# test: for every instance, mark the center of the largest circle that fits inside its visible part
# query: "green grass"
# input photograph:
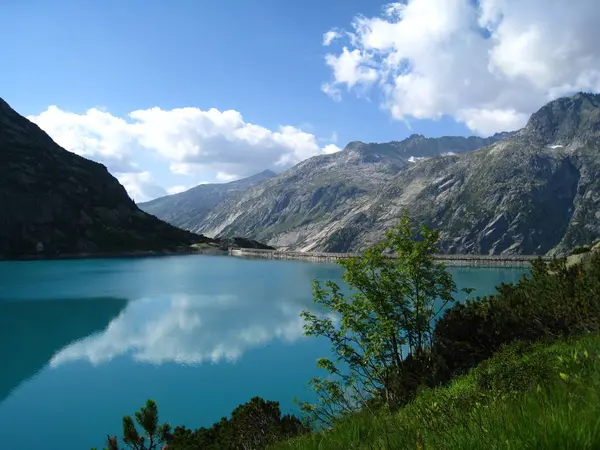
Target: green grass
(536, 396)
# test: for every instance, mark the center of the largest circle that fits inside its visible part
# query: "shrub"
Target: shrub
(555, 301)
(382, 342)
(252, 426)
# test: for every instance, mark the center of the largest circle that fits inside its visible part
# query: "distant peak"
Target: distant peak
(264, 174)
(586, 95)
(566, 118)
(253, 179)
(353, 145)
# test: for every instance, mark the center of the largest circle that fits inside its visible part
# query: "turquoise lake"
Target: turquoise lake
(84, 342)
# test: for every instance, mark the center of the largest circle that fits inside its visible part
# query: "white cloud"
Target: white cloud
(332, 91)
(331, 148)
(176, 189)
(351, 67)
(489, 64)
(192, 142)
(96, 135)
(141, 186)
(330, 36)
(226, 177)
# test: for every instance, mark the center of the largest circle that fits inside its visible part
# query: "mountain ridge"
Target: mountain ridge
(194, 204)
(533, 191)
(376, 162)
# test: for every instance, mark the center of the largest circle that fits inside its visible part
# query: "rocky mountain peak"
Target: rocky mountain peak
(353, 145)
(264, 175)
(415, 137)
(563, 120)
(521, 195)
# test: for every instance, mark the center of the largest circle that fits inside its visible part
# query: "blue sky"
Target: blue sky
(435, 67)
(263, 58)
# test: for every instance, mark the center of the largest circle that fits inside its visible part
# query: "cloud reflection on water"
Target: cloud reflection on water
(190, 330)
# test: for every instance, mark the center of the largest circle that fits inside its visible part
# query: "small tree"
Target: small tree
(254, 425)
(155, 434)
(259, 422)
(382, 331)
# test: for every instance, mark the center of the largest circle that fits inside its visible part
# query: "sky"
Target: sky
(169, 95)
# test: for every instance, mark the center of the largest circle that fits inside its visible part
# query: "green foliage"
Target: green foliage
(553, 302)
(530, 384)
(384, 334)
(154, 434)
(492, 374)
(556, 407)
(252, 426)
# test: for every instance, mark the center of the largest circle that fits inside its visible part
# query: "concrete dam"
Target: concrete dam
(449, 260)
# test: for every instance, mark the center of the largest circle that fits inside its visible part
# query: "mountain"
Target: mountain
(300, 207)
(191, 207)
(54, 202)
(535, 191)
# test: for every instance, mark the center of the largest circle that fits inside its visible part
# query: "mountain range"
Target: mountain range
(188, 208)
(360, 169)
(533, 191)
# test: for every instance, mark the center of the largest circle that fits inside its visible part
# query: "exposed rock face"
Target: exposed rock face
(302, 206)
(536, 191)
(188, 209)
(54, 202)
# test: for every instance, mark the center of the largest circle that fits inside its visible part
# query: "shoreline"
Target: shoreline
(113, 255)
(450, 260)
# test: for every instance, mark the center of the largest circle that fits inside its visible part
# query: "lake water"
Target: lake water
(84, 342)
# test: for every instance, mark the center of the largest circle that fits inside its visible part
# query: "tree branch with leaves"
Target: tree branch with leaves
(385, 322)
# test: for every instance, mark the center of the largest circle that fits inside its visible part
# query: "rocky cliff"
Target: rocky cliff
(54, 202)
(536, 191)
(301, 206)
(187, 209)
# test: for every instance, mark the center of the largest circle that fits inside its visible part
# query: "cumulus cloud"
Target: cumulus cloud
(351, 68)
(488, 64)
(141, 186)
(191, 141)
(330, 148)
(330, 36)
(177, 189)
(96, 135)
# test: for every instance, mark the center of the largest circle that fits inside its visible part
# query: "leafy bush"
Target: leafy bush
(555, 301)
(467, 414)
(382, 342)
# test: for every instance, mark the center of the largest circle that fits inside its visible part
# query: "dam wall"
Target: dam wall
(449, 260)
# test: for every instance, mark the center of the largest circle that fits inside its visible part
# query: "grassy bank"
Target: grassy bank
(538, 396)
